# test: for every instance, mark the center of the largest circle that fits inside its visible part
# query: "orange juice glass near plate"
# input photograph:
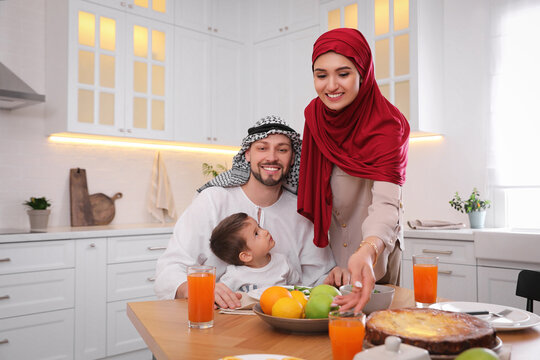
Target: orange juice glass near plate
(425, 270)
(201, 283)
(346, 331)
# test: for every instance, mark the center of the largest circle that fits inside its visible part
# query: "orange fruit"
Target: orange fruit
(270, 296)
(300, 297)
(287, 308)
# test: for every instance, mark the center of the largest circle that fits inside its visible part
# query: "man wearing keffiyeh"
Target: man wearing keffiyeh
(267, 163)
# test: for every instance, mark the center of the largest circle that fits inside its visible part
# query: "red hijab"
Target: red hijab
(367, 139)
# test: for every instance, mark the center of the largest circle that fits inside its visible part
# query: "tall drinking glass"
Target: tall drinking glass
(201, 283)
(425, 270)
(346, 331)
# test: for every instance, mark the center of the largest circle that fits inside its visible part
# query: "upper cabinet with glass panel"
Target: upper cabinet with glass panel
(118, 79)
(407, 59)
(162, 10)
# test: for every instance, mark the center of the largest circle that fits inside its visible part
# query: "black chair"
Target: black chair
(528, 286)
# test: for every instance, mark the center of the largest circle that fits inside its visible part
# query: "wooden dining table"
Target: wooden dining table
(163, 326)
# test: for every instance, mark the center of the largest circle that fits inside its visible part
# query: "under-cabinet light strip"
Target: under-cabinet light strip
(178, 147)
(142, 145)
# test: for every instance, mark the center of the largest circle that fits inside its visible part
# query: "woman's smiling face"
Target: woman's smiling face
(336, 80)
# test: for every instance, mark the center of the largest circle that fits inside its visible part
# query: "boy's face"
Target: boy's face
(258, 240)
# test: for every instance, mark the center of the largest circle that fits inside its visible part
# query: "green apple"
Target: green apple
(324, 289)
(318, 306)
(478, 354)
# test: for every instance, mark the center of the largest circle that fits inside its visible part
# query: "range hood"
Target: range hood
(15, 93)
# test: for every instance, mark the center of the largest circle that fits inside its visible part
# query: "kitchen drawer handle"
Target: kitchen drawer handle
(5, 341)
(445, 272)
(5, 260)
(442, 252)
(5, 297)
(157, 247)
(151, 279)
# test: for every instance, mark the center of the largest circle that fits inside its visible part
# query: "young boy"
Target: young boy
(245, 246)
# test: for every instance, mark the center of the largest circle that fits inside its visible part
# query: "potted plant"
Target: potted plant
(473, 206)
(213, 171)
(38, 213)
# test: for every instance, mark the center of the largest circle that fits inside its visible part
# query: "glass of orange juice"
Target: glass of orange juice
(347, 331)
(425, 270)
(201, 281)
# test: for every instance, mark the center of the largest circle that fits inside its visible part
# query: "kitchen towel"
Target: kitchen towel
(435, 225)
(246, 304)
(160, 197)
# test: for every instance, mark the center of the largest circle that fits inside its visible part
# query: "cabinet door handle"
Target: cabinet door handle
(92, 245)
(286, 28)
(130, 6)
(123, 3)
(445, 272)
(5, 260)
(151, 279)
(215, 139)
(121, 130)
(442, 252)
(5, 341)
(129, 131)
(209, 28)
(157, 247)
(215, 30)
(280, 29)
(5, 297)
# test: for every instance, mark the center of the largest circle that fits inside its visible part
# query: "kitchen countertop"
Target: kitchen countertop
(69, 233)
(459, 234)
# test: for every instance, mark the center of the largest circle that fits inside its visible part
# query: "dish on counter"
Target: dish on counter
(293, 325)
(516, 320)
(380, 299)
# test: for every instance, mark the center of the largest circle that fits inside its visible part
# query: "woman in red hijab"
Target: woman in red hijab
(354, 155)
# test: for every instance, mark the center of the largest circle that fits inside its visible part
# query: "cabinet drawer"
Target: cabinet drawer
(130, 280)
(28, 293)
(40, 336)
(136, 248)
(121, 334)
(452, 252)
(455, 282)
(39, 255)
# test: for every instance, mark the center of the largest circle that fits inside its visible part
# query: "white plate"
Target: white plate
(516, 320)
(260, 357)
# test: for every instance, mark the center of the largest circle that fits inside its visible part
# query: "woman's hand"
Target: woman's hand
(337, 277)
(362, 278)
(225, 298)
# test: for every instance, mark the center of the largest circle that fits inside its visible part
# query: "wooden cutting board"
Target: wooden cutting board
(86, 210)
(81, 209)
(103, 207)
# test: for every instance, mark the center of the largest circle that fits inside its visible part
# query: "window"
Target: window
(514, 158)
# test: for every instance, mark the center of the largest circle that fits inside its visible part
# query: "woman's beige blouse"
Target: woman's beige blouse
(364, 208)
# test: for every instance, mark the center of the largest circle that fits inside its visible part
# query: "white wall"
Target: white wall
(31, 166)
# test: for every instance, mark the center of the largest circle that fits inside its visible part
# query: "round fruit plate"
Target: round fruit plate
(293, 325)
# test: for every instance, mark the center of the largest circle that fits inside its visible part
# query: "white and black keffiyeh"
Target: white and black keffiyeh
(240, 171)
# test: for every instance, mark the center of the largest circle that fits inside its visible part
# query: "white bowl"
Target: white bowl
(380, 300)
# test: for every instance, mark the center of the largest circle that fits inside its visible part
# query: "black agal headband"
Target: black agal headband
(267, 127)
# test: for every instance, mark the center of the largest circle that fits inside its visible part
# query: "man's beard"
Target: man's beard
(270, 181)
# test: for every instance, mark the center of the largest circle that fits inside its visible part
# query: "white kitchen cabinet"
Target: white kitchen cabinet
(283, 81)
(456, 270)
(84, 282)
(162, 10)
(47, 335)
(108, 72)
(211, 89)
(90, 295)
(221, 18)
(121, 334)
(273, 18)
(497, 285)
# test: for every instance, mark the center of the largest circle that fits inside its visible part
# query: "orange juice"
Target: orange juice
(201, 297)
(347, 337)
(425, 283)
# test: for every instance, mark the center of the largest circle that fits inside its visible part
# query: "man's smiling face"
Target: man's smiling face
(271, 159)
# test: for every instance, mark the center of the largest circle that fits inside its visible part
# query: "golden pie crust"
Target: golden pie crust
(437, 331)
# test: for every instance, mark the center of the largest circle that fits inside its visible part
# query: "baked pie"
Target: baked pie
(437, 331)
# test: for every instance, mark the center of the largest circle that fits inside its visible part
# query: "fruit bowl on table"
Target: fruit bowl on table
(381, 298)
(293, 325)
